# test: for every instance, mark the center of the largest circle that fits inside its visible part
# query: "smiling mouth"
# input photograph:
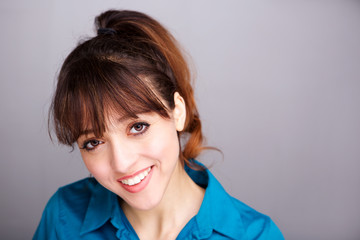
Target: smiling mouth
(136, 179)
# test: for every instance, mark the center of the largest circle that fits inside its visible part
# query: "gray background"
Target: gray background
(278, 88)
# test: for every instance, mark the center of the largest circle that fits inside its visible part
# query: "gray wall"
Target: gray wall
(278, 87)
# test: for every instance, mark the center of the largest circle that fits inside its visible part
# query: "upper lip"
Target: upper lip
(132, 175)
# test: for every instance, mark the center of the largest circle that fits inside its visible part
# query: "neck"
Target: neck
(181, 201)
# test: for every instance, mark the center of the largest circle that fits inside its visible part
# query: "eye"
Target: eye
(91, 144)
(139, 128)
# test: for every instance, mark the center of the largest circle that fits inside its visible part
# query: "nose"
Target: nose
(123, 157)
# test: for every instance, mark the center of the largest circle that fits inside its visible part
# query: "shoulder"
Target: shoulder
(76, 193)
(69, 200)
(256, 225)
(73, 193)
(74, 197)
(235, 218)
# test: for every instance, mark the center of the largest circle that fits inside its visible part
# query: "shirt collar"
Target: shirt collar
(216, 202)
(100, 209)
(104, 205)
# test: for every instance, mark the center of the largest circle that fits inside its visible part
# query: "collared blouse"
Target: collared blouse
(87, 210)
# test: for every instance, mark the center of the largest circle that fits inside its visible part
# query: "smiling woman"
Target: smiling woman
(125, 98)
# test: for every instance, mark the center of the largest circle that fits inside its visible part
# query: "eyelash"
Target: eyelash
(144, 128)
(95, 143)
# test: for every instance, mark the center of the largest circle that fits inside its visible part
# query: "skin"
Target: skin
(171, 198)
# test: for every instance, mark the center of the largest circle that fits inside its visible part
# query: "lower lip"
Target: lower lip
(140, 186)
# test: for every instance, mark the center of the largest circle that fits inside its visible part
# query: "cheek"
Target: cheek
(97, 167)
(164, 145)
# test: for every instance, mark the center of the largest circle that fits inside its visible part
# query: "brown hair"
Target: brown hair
(131, 62)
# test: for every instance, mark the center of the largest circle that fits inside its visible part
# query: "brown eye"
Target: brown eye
(92, 144)
(139, 128)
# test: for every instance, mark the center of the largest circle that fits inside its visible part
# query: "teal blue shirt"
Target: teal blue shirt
(86, 210)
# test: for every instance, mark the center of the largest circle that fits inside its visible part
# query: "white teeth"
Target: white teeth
(131, 182)
(137, 179)
(141, 176)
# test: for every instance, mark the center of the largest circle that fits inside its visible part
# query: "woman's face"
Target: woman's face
(136, 158)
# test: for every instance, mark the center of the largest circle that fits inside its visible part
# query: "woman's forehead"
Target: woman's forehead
(110, 118)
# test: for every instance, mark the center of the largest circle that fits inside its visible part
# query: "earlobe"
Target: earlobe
(179, 112)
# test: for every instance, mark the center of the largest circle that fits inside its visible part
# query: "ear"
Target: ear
(179, 112)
